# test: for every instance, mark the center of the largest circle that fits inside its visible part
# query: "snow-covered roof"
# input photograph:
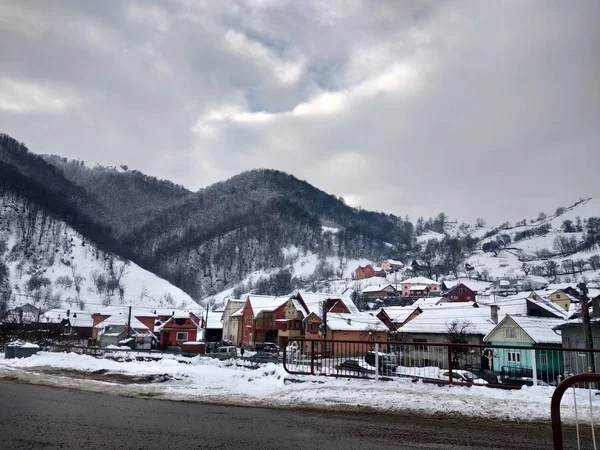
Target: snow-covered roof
(399, 314)
(419, 280)
(313, 301)
(394, 262)
(474, 285)
(418, 288)
(549, 306)
(76, 318)
(377, 288)
(124, 311)
(214, 321)
(120, 320)
(260, 303)
(356, 322)
(238, 313)
(538, 279)
(427, 301)
(539, 329)
(436, 320)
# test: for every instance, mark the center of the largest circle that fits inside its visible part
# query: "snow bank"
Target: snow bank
(237, 382)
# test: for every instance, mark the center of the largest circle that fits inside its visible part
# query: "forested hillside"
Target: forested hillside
(269, 231)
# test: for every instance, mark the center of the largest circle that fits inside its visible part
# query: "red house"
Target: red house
(178, 329)
(460, 293)
(262, 318)
(368, 272)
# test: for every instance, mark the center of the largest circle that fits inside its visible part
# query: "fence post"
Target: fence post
(534, 367)
(449, 363)
(377, 360)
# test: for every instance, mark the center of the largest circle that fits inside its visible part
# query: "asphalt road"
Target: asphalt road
(39, 417)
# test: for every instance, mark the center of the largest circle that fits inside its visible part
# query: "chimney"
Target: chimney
(349, 321)
(68, 313)
(494, 311)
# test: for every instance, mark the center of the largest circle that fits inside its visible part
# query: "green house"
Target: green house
(525, 335)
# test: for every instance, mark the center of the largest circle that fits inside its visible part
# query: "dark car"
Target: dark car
(523, 381)
(355, 367)
(264, 357)
(386, 363)
(267, 347)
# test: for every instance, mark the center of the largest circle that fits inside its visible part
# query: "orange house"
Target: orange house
(178, 329)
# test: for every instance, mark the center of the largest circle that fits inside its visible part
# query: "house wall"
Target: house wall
(547, 362)
(148, 321)
(433, 355)
(572, 337)
(231, 325)
(561, 299)
(168, 335)
(349, 349)
(406, 288)
(367, 272)
(461, 293)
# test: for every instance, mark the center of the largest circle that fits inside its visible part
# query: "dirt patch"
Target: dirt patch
(105, 375)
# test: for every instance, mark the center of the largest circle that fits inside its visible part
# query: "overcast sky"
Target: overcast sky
(483, 108)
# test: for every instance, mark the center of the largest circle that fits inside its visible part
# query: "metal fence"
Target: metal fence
(585, 381)
(507, 367)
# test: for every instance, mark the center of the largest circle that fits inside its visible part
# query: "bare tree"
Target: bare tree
(458, 333)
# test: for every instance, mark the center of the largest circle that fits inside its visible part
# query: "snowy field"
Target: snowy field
(236, 383)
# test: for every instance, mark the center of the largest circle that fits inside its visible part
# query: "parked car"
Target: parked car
(523, 381)
(267, 347)
(462, 376)
(264, 357)
(487, 375)
(356, 367)
(387, 365)
(225, 352)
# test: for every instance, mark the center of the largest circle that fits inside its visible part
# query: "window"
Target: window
(580, 343)
(511, 333)
(557, 296)
(468, 297)
(543, 359)
(182, 336)
(514, 357)
(180, 321)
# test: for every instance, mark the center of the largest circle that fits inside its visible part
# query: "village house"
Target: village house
(231, 325)
(259, 316)
(26, 313)
(523, 331)
(379, 291)
(438, 323)
(343, 328)
(211, 329)
(460, 293)
(535, 282)
(573, 337)
(391, 265)
(419, 287)
(179, 328)
(368, 271)
(293, 327)
(120, 315)
(75, 323)
(121, 331)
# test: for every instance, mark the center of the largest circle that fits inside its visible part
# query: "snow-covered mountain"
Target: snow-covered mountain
(50, 265)
(263, 231)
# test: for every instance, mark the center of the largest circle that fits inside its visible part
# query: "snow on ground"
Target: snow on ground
(210, 380)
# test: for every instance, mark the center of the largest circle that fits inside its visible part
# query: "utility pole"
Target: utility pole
(129, 324)
(587, 327)
(206, 322)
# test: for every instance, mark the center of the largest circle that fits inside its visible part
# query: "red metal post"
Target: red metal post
(557, 437)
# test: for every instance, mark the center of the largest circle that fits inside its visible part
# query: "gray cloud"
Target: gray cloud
(474, 108)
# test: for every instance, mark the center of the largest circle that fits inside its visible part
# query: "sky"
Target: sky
(476, 108)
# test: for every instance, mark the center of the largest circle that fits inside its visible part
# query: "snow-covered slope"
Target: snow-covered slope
(52, 266)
